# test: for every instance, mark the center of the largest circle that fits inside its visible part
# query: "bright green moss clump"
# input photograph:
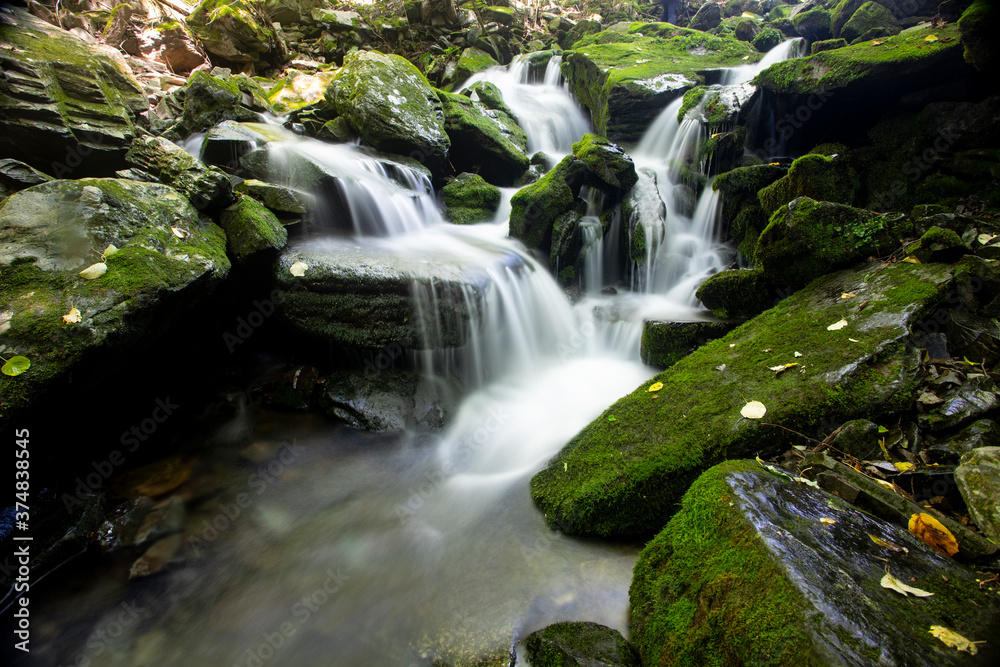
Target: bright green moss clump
(705, 591)
(815, 176)
(470, 199)
(251, 228)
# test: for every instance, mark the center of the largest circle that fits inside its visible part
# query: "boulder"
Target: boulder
(767, 39)
(210, 98)
(469, 199)
(978, 25)
(867, 17)
(16, 175)
(252, 230)
(173, 44)
(746, 30)
(167, 259)
(978, 479)
(235, 32)
(66, 106)
(746, 573)
(827, 45)
(484, 140)
(981, 433)
(583, 28)
(283, 201)
(298, 89)
(389, 102)
(606, 160)
(536, 207)
(741, 211)
(623, 473)
(666, 343)
(578, 644)
(227, 142)
(814, 24)
(472, 61)
(708, 16)
(816, 176)
(858, 438)
(390, 400)
(625, 79)
(208, 188)
(939, 245)
(808, 238)
(736, 294)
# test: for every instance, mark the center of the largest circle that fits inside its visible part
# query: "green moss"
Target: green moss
(868, 16)
(767, 39)
(472, 61)
(842, 13)
(606, 160)
(736, 294)
(979, 25)
(470, 199)
(705, 591)
(624, 472)
(489, 143)
(813, 24)
(252, 228)
(536, 207)
(839, 68)
(815, 176)
(692, 98)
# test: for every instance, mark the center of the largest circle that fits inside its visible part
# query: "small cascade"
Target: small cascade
(788, 49)
(545, 109)
(593, 251)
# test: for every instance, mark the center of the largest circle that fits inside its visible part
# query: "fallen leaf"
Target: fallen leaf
(110, 250)
(931, 38)
(732, 345)
(15, 366)
(891, 582)
(954, 640)
(753, 410)
(656, 386)
(72, 317)
(887, 545)
(720, 367)
(565, 466)
(5, 318)
(847, 295)
(783, 367)
(886, 485)
(903, 466)
(797, 355)
(931, 531)
(929, 398)
(839, 324)
(911, 260)
(94, 271)
(876, 42)
(827, 521)
(807, 482)
(985, 238)
(612, 418)
(854, 340)
(298, 268)
(180, 233)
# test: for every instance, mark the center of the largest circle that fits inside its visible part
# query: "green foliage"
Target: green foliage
(15, 366)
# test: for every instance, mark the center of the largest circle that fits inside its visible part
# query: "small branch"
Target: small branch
(791, 431)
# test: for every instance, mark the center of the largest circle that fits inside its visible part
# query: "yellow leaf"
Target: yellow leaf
(110, 250)
(902, 466)
(931, 38)
(298, 268)
(656, 386)
(954, 640)
(753, 410)
(891, 582)
(72, 317)
(783, 367)
(887, 545)
(847, 295)
(876, 42)
(911, 260)
(94, 271)
(985, 238)
(827, 521)
(931, 531)
(180, 233)
(886, 485)
(840, 324)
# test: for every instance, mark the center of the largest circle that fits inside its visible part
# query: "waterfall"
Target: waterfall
(544, 109)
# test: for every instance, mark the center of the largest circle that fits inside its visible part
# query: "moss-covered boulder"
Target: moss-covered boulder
(583, 28)
(167, 258)
(708, 16)
(625, 78)
(235, 32)
(827, 45)
(767, 39)
(607, 161)
(746, 573)
(736, 294)
(208, 100)
(469, 199)
(536, 207)
(389, 102)
(665, 343)
(296, 90)
(741, 211)
(939, 245)
(814, 24)
(283, 201)
(979, 25)
(472, 61)
(978, 479)
(869, 16)
(484, 140)
(815, 176)
(623, 473)
(809, 238)
(65, 107)
(208, 188)
(252, 230)
(579, 645)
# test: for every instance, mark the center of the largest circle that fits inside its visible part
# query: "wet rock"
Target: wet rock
(767, 39)
(228, 141)
(747, 573)
(978, 480)
(155, 479)
(858, 438)
(981, 433)
(707, 17)
(388, 101)
(207, 188)
(811, 238)
(122, 524)
(156, 557)
(384, 401)
(66, 106)
(294, 390)
(284, 202)
(815, 176)
(231, 31)
(939, 245)
(814, 24)
(164, 518)
(736, 294)
(470, 199)
(16, 175)
(659, 446)
(740, 207)
(472, 61)
(207, 100)
(252, 230)
(484, 140)
(579, 644)
(173, 44)
(827, 45)
(52, 231)
(536, 208)
(867, 17)
(666, 343)
(972, 399)
(607, 161)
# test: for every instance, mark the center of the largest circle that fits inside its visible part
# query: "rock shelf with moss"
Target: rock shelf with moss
(622, 474)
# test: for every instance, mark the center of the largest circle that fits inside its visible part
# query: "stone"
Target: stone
(278, 198)
(858, 438)
(389, 102)
(746, 30)
(579, 644)
(607, 161)
(707, 17)
(813, 25)
(16, 175)
(815, 176)
(209, 99)
(484, 140)
(227, 142)
(660, 446)
(231, 31)
(583, 28)
(252, 230)
(939, 245)
(66, 107)
(970, 400)
(299, 89)
(208, 188)
(536, 207)
(767, 39)
(666, 343)
(978, 479)
(746, 573)
(736, 294)
(472, 61)
(173, 44)
(50, 232)
(470, 199)
(868, 16)
(389, 400)
(827, 45)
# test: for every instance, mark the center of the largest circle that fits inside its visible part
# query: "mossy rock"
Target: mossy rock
(827, 45)
(815, 176)
(536, 207)
(607, 161)
(624, 79)
(736, 294)
(583, 28)
(469, 199)
(484, 140)
(278, 198)
(865, 64)
(979, 25)
(472, 61)
(978, 479)
(739, 188)
(842, 13)
(767, 39)
(814, 24)
(707, 17)
(231, 30)
(209, 100)
(666, 343)
(51, 231)
(391, 105)
(746, 30)
(252, 230)
(809, 238)
(623, 473)
(297, 90)
(206, 187)
(579, 645)
(869, 16)
(747, 574)
(939, 245)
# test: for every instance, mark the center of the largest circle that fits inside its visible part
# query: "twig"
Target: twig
(791, 431)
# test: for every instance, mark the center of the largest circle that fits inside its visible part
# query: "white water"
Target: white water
(549, 115)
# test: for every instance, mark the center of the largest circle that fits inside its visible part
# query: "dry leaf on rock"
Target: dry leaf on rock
(298, 268)
(753, 410)
(954, 640)
(72, 317)
(891, 582)
(840, 324)
(933, 532)
(656, 386)
(94, 271)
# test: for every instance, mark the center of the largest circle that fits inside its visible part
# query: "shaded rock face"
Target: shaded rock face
(579, 645)
(747, 573)
(391, 105)
(208, 188)
(234, 31)
(52, 231)
(385, 401)
(176, 46)
(666, 343)
(580, 493)
(66, 106)
(978, 479)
